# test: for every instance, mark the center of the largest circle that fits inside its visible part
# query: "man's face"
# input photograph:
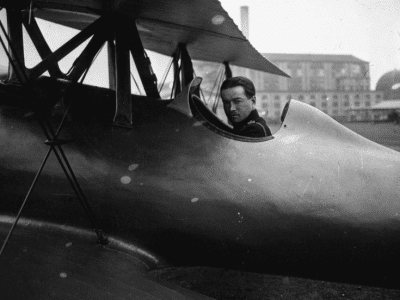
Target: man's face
(236, 104)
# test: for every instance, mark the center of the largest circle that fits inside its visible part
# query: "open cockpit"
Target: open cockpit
(210, 120)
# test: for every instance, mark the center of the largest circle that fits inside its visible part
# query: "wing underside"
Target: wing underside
(203, 26)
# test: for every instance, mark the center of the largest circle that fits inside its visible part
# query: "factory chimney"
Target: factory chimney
(244, 18)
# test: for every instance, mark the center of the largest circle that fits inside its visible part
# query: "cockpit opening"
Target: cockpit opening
(285, 110)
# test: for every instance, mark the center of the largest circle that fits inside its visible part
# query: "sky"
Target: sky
(366, 29)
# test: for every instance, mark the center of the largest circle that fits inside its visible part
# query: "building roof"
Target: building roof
(384, 105)
(388, 104)
(275, 57)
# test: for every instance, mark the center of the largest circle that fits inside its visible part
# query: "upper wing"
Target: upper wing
(203, 26)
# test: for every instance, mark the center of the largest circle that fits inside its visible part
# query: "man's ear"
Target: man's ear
(254, 101)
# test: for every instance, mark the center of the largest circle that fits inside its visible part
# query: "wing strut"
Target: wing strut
(111, 64)
(64, 50)
(186, 66)
(14, 22)
(183, 72)
(176, 88)
(52, 141)
(123, 110)
(127, 40)
(85, 59)
(143, 64)
(40, 43)
(228, 70)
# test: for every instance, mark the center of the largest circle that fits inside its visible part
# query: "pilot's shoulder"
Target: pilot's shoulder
(255, 129)
(262, 123)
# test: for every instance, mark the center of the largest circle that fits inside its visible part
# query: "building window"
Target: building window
(277, 97)
(312, 96)
(264, 105)
(324, 97)
(357, 103)
(367, 103)
(265, 97)
(335, 104)
(295, 68)
(317, 83)
(378, 96)
(335, 112)
(295, 84)
(357, 96)
(277, 104)
(301, 97)
(288, 71)
(355, 69)
(346, 103)
(312, 103)
(368, 96)
(346, 97)
(317, 69)
(335, 96)
(271, 82)
(339, 69)
(288, 97)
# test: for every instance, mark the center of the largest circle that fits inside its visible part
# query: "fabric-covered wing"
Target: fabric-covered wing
(204, 26)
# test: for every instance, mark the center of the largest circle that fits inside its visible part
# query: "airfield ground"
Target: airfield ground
(387, 134)
(233, 285)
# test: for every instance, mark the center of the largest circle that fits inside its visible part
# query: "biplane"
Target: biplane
(165, 182)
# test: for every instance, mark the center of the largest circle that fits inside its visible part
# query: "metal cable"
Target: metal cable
(216, 101)
(165, 75)
(52, 137)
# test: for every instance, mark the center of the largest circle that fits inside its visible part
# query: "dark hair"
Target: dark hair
(244, 82)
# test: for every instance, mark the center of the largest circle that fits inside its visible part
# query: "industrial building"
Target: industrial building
(335, 84)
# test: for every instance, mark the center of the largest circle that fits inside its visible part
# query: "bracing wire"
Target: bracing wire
(137, 85)
(201, 90)
(164, 78)
(175, 80)
(217, 94)
(214, 85)
(71, 177)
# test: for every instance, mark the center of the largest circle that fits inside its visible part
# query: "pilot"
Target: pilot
(239, 100)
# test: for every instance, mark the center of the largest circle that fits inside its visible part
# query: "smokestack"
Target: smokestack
(244, 18)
